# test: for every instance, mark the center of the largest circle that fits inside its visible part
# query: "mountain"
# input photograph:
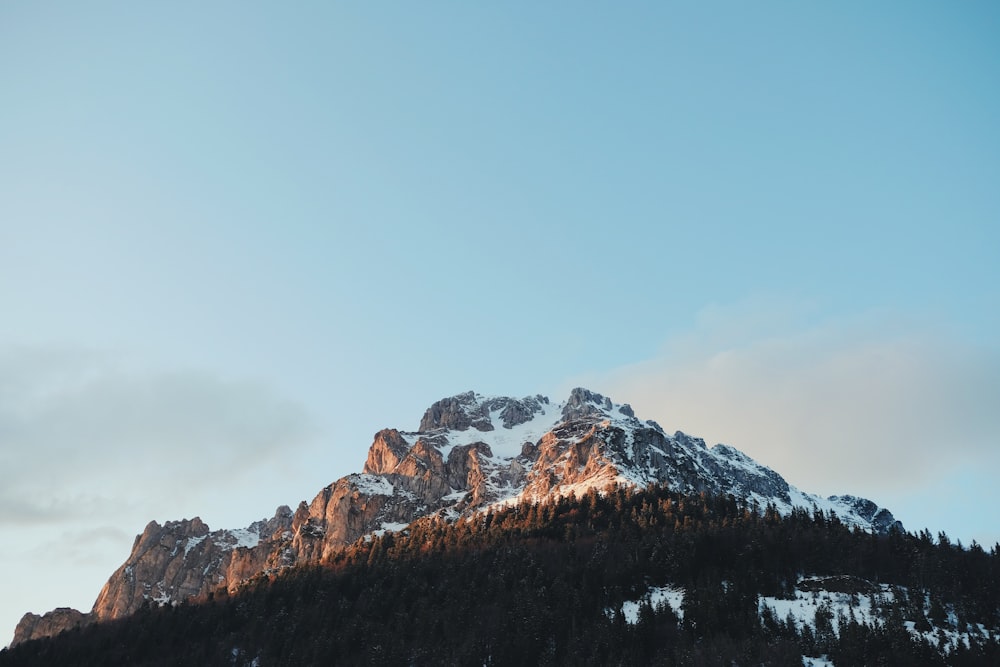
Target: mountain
(630, 576)
(470, 453)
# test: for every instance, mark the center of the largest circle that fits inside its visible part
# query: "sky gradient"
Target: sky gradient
(237, 240)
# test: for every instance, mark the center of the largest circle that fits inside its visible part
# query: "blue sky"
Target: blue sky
(237, 240)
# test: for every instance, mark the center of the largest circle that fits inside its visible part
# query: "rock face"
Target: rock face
(880, 518)
(50, 624)
(183, 559)
(470, 452)
(463, 411)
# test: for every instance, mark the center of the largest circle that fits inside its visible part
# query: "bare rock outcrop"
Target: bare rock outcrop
(469, 410)
(50, 624)
(881, 518)
(348, 509)
(467, 470)
(166, 561)
(457, 413)
(387, 450)
(585, 403)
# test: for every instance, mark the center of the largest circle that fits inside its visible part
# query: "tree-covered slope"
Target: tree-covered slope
(569, 581)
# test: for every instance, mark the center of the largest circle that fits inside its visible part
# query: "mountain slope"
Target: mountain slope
(630, 577)
(470, 452)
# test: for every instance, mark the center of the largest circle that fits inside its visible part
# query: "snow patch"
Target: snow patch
(454, 496)
(372, 485)
(245, 538)
(821, 661)
(506, 443)
(192, 543)
(841, 605)
(393, 526)
(656, 596)
(865, 608)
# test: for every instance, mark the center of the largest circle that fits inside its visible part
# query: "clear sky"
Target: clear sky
(236, 239)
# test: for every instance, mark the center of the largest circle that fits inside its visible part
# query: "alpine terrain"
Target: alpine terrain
(469, 452)
(653, 528)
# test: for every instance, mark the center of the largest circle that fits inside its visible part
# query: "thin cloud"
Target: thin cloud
(85, 547)
(92, 449)
(41, 509)
(863, 406)
(81, 435)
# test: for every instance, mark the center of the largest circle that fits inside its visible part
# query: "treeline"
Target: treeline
(542, 584)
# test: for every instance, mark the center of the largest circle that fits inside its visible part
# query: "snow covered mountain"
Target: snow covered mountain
(469, 453)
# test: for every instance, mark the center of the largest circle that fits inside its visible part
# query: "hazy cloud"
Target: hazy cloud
(92, 448)
(86, 547)
(81, 434)
(860, 406)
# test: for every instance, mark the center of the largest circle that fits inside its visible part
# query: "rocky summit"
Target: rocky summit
(469, 453)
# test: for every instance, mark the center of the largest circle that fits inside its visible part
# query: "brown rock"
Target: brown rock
(33, 626)
(386, 452)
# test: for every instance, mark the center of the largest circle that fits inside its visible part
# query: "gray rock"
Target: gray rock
(585, 403)
(515, 412)
(457, 413)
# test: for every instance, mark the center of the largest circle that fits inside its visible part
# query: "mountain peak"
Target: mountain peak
(585, 403)
(470, 453)
(483, 413)
(486, 413)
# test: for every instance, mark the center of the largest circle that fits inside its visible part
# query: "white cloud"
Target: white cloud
(863, 406)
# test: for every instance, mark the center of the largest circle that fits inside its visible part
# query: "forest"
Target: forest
(544, 584)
